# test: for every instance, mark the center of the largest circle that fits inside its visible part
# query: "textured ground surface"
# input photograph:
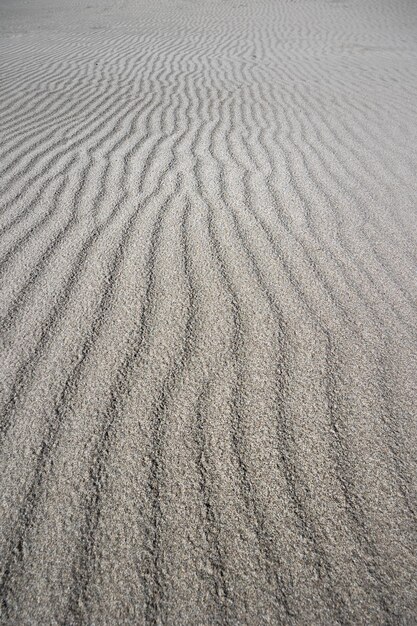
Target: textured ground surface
(208, 312)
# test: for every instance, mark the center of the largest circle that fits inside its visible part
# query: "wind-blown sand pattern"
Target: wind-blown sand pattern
(208, 312)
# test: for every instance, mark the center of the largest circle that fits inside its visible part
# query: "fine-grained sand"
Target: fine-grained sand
(208, 312)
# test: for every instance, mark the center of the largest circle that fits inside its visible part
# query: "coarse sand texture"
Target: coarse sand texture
(208, 312)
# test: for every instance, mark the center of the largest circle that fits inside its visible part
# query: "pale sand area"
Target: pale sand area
(208, 312)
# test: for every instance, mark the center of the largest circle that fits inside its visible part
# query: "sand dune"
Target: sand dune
(208, 312)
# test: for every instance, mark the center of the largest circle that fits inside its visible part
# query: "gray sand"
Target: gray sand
(208, 312)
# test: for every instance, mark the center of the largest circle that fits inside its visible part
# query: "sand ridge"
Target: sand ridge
(208, 312)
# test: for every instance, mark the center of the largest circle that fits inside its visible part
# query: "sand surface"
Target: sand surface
(208, 312)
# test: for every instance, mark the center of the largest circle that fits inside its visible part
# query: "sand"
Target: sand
(208, 312)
